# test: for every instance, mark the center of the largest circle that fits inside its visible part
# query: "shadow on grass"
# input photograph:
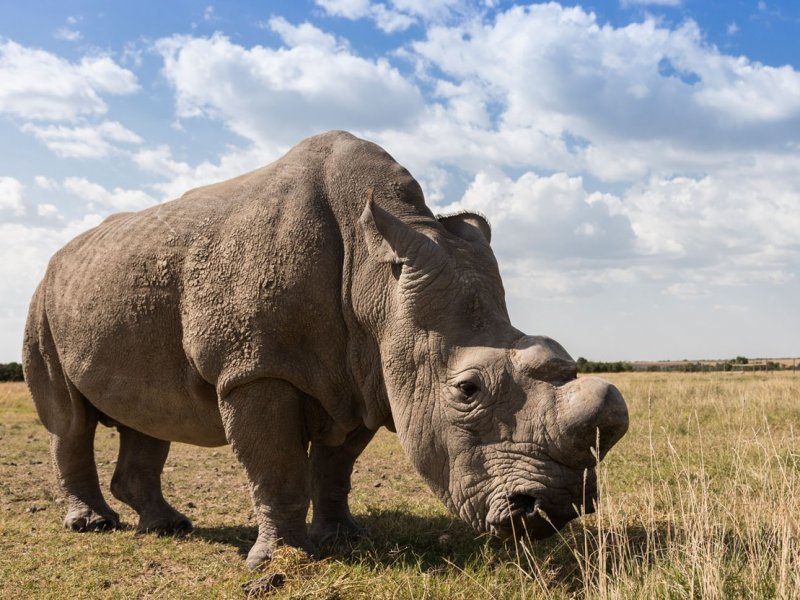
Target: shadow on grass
(401, 539)
(574, 556)
(241, 537)
(395, 537)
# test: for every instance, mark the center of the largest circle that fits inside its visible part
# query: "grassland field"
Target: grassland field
(701, 499)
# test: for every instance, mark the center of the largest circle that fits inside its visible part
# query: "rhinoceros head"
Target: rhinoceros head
(496, 421)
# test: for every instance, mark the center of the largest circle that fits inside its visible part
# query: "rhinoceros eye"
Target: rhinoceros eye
(468, 388)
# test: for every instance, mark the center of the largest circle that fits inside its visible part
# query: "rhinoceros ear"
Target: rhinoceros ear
(377, 243)
(388, 238)
(468, 226)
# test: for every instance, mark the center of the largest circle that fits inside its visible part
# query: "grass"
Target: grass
(700, 500)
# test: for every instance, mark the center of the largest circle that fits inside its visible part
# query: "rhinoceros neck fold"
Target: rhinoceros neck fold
(351, 168)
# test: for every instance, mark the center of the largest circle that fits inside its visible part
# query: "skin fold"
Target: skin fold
(291, 312)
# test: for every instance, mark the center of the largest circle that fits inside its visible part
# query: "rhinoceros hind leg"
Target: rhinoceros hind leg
(73, 458)
(331, 470)
(137, 483)
(264, 423)
(72, 448)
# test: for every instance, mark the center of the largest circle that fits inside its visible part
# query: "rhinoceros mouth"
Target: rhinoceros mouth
(524, 515)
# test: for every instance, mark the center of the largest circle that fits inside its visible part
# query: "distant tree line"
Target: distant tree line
(740, 363)
(11, 372)
(728, 365)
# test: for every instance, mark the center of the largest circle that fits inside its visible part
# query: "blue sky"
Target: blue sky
(639, 160)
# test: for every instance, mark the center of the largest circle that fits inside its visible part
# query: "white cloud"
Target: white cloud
(26, 245)
(731, 308)
(304, 34)
(25, 250)
(279, 95)
(68, 35)
(651, 2)
(390, 21)
(99, 199)
(36, 84)
(743, 92)
(687, 236)
(47, 210)
(350, 9)
(396, 15)
(741, 218)
(45, 183)
(88, 141)
(181, 177)
(686, 290)
(640, 97)
(11, 196)
(460, 138)
(732, 28)
(106, 76)
(428, 9)
(550, 217)
(408, 9)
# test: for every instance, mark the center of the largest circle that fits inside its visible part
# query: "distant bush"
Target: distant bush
(592, 366)
(11, 372)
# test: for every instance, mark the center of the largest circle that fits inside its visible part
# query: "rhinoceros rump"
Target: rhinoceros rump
(291, 312)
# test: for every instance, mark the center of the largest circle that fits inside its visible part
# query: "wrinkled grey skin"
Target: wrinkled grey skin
(291, 312)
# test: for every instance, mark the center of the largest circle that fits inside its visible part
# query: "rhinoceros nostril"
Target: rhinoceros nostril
(524, 516)
(522, 505)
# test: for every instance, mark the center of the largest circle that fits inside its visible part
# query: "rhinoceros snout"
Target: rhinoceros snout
(591, 416)
(531, 516)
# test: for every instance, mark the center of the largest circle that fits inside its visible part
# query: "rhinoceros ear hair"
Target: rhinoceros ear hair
(469, 226)
(382, 231)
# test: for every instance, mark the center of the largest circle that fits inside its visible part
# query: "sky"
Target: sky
(639, 161)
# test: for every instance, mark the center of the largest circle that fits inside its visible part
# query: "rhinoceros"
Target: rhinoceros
(291, 312)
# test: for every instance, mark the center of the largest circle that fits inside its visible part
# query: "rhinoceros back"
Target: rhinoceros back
(154, 313)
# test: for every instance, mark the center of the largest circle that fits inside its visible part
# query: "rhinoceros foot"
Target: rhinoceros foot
(261, 552)
(171, 523)
(83, 518)
(329, 531)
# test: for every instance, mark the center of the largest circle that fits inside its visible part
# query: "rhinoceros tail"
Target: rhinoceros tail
(34, 366)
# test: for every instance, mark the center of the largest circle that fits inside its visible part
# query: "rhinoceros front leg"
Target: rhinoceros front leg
(331, 469)
(137, 482)
(264, 424)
